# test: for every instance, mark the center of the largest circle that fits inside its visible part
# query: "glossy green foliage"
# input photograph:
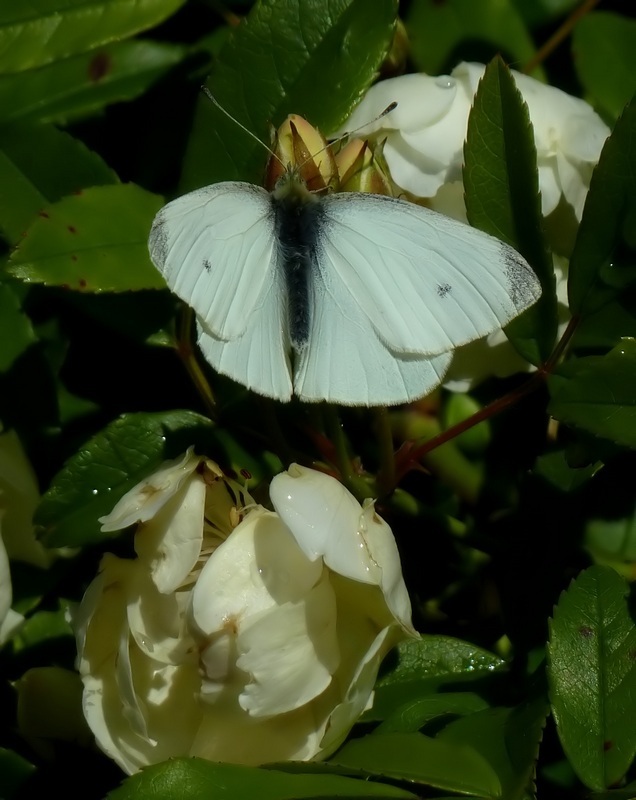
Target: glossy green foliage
(592, 674)
(502, 197)
(521, 686)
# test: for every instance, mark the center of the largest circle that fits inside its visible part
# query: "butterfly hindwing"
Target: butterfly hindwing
(345, 360)
(259, 357)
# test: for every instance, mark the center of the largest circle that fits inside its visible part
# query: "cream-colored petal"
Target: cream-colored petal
(358, 695)
(323, 517)
(171, 541)
(143, 501)
(383, 551)
(19, 496)
(227, 733)
(290, 653)
(157, 622)
(257, 567)
(326, 520)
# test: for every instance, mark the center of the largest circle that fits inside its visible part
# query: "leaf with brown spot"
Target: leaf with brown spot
(592, 675)
(107, 249)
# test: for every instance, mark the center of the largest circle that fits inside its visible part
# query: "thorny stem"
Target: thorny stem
(559, 35)
(189, 359)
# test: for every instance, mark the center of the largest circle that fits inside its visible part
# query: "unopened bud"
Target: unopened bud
(300, 146)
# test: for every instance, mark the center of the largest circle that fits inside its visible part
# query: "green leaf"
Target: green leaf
(16, 332)
(417, 712)
(108, 466)
(502, 197)
(439, 657)
(38, 32)
(194, 778)
(604, 55)
(14, 771)
(605, 244)
(598, 393)
(554, 468)
(603, 329)
(81, 85)
(95, 241)
(425, 664)
(626, 793)
(418, 758)
(308, 57)
(507, 738)
(39, 165)
(437, 32)
(592, 674)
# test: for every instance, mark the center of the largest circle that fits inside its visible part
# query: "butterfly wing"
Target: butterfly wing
(396, 288)
(259, 358)
(346, 362)
(425, 282)
(216, 247)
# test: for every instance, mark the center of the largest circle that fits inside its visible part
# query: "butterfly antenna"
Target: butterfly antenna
(391, 107)
(211, 97)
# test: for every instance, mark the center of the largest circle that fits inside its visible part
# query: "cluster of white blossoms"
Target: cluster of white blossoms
(423, 149)
(424, 136)
(238, 634)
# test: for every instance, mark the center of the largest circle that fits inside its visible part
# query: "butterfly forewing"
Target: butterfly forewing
(425, 282)
(216, 250)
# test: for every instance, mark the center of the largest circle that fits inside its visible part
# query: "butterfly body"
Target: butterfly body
(296, 213)
(353, 298)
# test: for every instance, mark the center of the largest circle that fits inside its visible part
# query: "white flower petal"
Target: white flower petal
(290, 653)
(259, 566)
(383, 551)
(143, 501)
(324, 518)
(358, 697)
(257, 652)
(421, 101)
(550, 187)
(171, 541)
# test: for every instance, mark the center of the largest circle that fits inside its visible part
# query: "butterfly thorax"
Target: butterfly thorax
(297, 213)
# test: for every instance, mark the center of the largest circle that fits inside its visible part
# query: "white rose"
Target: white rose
(425, 135)
(238, 634)
(19, 496)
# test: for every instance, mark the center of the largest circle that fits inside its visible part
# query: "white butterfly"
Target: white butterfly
(353, 298)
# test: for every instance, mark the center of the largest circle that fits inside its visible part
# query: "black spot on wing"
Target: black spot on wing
(443, 289)
(207, 266)
(523, 285)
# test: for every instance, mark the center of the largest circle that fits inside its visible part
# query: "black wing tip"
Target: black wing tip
(524, 286)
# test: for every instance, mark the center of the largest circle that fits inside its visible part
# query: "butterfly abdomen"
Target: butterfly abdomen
(297, 225)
